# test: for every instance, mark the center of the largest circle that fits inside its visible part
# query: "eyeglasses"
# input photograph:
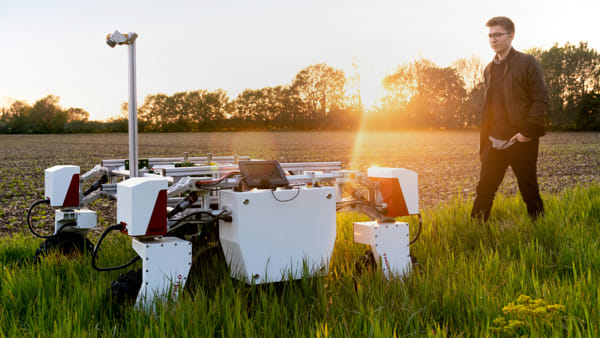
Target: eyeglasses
(496, 35)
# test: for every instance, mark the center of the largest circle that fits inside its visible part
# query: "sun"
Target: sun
(372, 92)
(365, 80)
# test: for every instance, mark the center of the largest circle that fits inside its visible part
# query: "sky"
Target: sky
(59, 47)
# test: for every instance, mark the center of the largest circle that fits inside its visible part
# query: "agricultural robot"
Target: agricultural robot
(272, 221)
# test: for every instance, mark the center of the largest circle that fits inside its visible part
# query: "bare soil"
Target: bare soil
(447, 162)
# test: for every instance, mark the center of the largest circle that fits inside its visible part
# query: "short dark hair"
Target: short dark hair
(503, 21)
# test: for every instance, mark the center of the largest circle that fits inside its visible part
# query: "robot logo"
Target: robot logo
(176, 286)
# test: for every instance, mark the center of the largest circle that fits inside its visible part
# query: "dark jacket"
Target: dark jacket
(525, 94)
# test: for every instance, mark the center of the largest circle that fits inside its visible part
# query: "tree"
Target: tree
(470, 111)
(266, 108)
(421, 94)
(319, 89)
(184, 111)
(47, 116)
(77, 119)
(470, 70)
(155, 110)
(77, 114)
(284, 106)
(16, 118)
(355, 97)
(571, 73)
(588, 112)
(208, 109)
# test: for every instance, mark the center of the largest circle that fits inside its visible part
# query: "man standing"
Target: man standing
(515, 105)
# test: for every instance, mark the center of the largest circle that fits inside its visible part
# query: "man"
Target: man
(515, 105)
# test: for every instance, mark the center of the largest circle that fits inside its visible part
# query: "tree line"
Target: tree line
(419, 94)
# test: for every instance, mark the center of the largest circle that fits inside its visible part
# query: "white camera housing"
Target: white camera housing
(116, 38)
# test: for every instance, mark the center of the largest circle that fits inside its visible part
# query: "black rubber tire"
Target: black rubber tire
(67, 243)
(125, 289)
(366, 263)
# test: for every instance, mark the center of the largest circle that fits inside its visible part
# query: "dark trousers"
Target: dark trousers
(522, 158)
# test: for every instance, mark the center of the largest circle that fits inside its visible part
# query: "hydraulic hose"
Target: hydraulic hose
(118, 226)
(96, 185)
(188, 201)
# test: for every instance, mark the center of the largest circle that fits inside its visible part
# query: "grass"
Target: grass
(504, 278)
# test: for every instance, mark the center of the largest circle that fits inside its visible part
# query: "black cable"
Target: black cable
(195, 213)
(177, 221)
(45, 201)
(419, 231)
(219, 216)
(354, 203)
(288, 200)
(118, 226)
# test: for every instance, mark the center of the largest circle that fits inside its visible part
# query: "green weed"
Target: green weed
(469, 282)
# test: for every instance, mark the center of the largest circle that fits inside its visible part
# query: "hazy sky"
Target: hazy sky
(58, 47)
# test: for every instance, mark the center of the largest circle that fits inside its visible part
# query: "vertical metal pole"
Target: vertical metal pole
(133, 125)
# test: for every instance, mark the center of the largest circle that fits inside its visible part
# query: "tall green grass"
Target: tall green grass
(471, 280)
